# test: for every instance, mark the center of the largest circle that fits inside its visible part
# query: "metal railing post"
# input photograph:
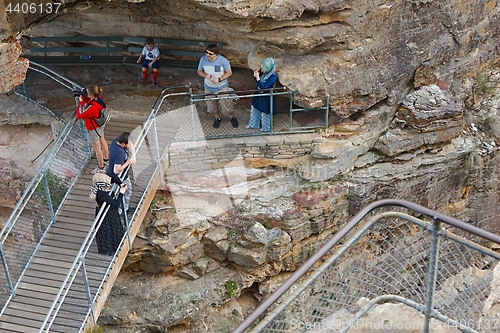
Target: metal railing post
(191, 104)
(25, 91)
(127, 222)
(157, 145)
(47, 193)
(271, 110)
(6, 270)
(433, 263)
(90, 301)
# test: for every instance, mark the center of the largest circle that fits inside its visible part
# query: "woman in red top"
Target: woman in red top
(89, 108)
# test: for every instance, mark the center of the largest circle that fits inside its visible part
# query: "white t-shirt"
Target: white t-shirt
(215, 68)
(150, 55)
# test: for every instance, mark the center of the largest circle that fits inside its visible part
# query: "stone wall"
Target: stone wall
(270, 150)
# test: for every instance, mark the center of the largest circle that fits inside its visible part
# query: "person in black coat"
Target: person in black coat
(111, 231)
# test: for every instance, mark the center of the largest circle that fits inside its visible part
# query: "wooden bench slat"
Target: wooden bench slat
(78, 39)
(75, 60)
(82, 49)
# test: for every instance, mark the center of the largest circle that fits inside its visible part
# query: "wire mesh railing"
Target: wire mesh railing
(43, 196)
(49, 90)
(394, 272)
(287, 118)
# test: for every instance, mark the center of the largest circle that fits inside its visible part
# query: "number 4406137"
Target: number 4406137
(33, 8)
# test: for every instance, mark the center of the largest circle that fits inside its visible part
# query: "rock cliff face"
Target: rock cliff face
(358, 53)
(414, 90)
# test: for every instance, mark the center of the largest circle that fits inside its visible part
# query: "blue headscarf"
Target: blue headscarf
(267, 68)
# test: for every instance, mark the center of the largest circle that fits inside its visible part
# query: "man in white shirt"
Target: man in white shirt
(215, 69)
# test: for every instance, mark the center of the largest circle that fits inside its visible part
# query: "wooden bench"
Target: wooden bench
(102, 51)
(112, 51)
(174, 53)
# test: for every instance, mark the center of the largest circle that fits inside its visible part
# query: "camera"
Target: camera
(82, 92)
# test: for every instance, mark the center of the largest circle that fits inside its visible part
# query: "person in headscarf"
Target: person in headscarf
(260, 111)
(111, 231)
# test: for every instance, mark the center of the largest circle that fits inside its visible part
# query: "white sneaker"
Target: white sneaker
(98, 170)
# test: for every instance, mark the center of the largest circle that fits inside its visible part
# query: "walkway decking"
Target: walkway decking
(40, 284)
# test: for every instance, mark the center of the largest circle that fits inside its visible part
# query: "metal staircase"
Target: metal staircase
(53, 279)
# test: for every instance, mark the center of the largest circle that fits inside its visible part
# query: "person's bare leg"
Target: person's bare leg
(104, 146)
(98, 153)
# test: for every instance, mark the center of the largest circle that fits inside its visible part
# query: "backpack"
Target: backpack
(104, 115)
(103, 119)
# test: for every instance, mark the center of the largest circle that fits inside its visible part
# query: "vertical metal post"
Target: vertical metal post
(88, 146)
(290, 97)
(127, 223)
(25, 90)
(90, 303)
(6, 270)
(159, 161)
(271, 110)
(191, 103)
(47, 193)
(155, 134)
(431, 279)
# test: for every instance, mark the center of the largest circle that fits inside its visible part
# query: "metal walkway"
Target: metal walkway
(53, 278)
(48, 269)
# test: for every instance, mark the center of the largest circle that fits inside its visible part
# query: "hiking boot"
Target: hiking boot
(98, 170)
(153, 82)
(216, 122)
(234, 122)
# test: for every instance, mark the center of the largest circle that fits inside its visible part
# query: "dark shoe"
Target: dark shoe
(99, 170)
(153, 82)
(234, 122)
(216, 122)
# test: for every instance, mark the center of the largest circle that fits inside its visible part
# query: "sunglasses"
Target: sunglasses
(209, 53)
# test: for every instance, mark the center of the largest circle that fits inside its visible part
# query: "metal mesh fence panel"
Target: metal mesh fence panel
(44, 195)
(379, 282)
(52, 93)
(240, 105)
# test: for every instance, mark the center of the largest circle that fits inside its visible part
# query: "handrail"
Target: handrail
(308, 264)
(54, 76)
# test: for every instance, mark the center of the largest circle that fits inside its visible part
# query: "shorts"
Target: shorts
(145, 63)
(223, 105)
(92, 135)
